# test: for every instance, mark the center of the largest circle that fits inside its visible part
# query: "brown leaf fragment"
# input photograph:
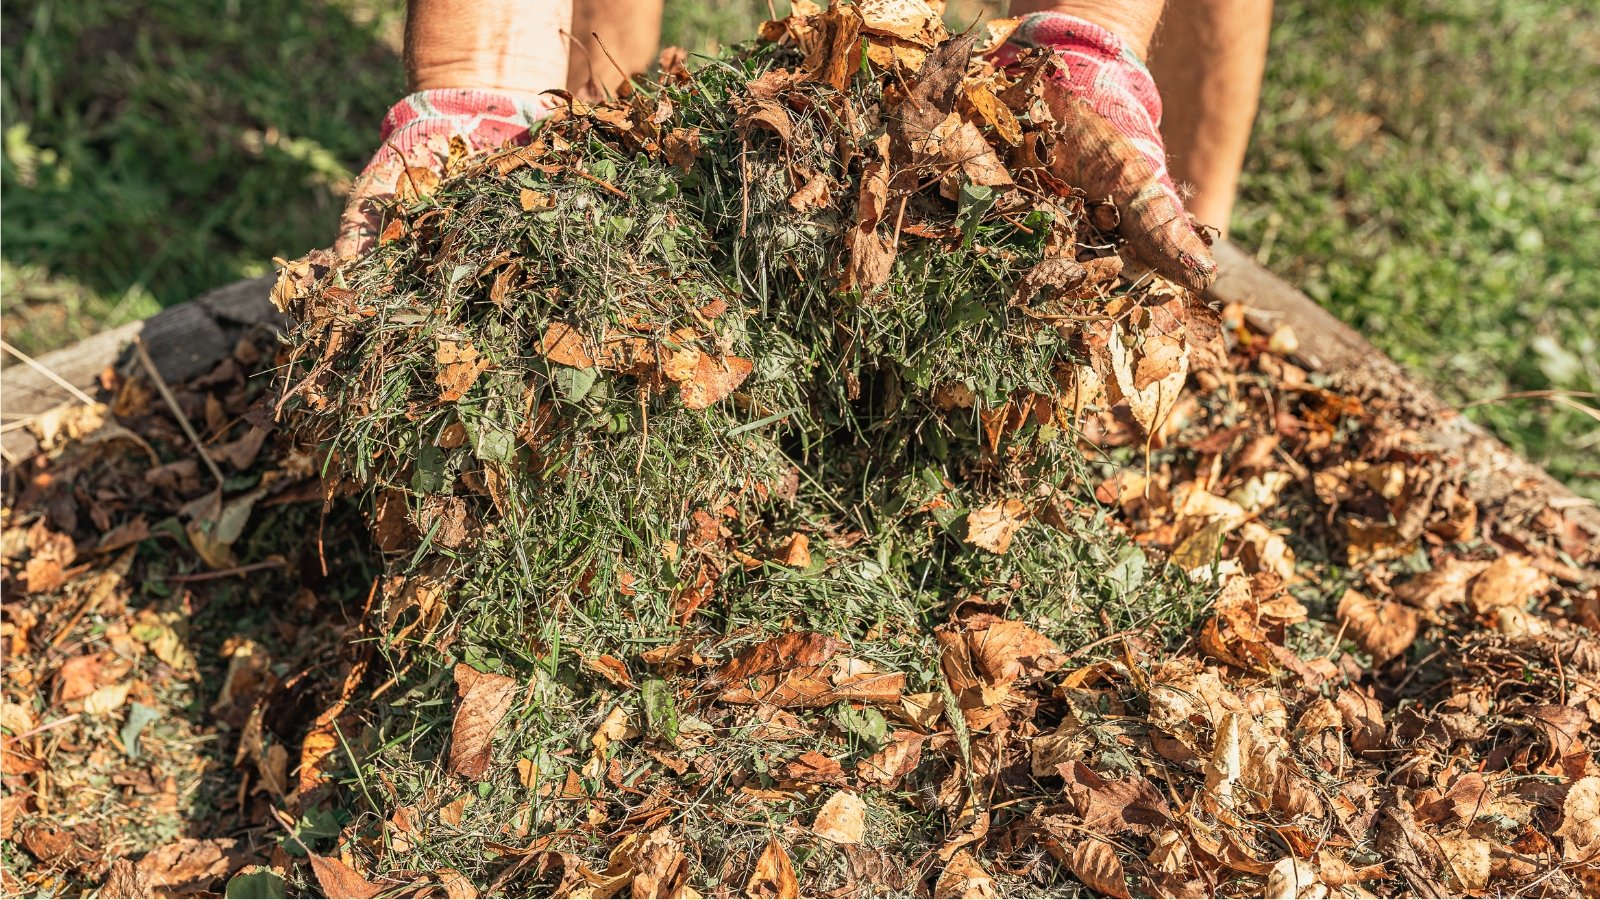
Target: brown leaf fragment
(988, 109)
(565, 345)
(51, 846)
(1007, 650)
(339, 880)
(125, 535)
(1129, 804)
(456, 886)
(1510, 580)
(682, 146)
(1383, 628)
(871, 260)
(1096, 865)
(1580, 821)
(188, 866)
(660, 868)
(126, 879)
(483, 699)
(713, 380)
(1444, 587)
(911, 20)
(812, 767)
(610, 668)
(1363, 715)
(965, 879)
(458, 368)
(767, 115)
(814, 194)
(773, 876)
(992, 527)
(899, 758)
(832, 46)
(841, 819)
(787, 651)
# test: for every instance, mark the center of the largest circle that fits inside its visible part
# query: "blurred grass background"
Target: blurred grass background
(1428, 169)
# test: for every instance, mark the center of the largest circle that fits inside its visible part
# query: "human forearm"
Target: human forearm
(504, 45)
(1132, 20)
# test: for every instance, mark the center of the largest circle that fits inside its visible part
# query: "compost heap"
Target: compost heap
(783, 487)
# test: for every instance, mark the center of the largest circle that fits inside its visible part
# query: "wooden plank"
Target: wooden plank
(1515, 489)
(184, 341)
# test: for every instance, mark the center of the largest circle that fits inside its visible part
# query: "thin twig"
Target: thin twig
(177, 412)
(43, 370)
(49, 726)
(227, 573)
(602, 182)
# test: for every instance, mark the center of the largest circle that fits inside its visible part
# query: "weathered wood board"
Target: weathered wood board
(183, 340)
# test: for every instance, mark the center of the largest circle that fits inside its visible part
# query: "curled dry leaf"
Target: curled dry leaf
(1149, 378)
(1509, 581)
(1580, 820)
(841, 819)
(1096, 865)
(888, 766)
(484, 700)
(1444, 587)
(1383, 628)
(1294, 879)
(774, 875)
(965, 879)
(339, 880)
(992, 527)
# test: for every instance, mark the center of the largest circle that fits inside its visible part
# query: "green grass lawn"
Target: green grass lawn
(1428, 169)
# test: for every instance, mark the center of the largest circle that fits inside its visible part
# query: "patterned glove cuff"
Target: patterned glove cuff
(485, 119)
(1100, 66)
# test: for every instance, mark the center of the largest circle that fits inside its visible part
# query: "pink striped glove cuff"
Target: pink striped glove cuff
(420, 126)
(1100, 70)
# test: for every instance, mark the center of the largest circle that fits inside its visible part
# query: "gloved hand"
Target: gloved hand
(1109, 114)
(417, 132)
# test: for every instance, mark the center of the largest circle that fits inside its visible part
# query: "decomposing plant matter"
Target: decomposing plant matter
(592, 372)
(802, 339)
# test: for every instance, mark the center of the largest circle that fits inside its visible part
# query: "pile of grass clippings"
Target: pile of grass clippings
(790, 349)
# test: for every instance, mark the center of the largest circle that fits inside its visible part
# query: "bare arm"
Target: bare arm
(1132, 20)
(503, 45)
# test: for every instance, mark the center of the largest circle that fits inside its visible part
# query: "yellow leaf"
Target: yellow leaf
(992, 527)
(841, 819)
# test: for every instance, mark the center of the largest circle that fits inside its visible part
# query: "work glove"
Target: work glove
(416, 133)
(1108, 114)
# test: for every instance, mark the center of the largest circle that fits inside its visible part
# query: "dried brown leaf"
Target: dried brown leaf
(565, 345)
(841, 819)
(992, 527)
(1383, 628)
(964, 878)
(339, 880)
(773, 876)
(458, 368)
(1510, 580)
(1096, 865)
(483, 700)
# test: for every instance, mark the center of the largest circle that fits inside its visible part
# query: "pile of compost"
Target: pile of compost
(782, 482)
(798, 344)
